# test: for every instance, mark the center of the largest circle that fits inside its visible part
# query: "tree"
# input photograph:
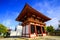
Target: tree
(50, 28)
(3, 29)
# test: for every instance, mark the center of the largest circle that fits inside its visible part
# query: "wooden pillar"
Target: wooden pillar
(41, 30)
(22, 31)
(25, 30)
(35, 30)
(29, 30)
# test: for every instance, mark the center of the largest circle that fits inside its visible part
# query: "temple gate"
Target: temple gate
(33, 22)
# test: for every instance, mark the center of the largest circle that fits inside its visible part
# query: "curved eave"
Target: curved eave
(28, 8)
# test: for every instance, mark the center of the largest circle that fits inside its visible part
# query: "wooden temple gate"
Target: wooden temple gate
(33, 22)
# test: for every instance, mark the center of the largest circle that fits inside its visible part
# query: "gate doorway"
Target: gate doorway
(38, 28)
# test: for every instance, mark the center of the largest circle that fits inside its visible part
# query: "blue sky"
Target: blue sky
(10, 9)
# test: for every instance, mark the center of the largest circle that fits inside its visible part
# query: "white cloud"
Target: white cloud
(53, 22)
(7, 22)
(9, 19)
(50, 10)
(10, 14)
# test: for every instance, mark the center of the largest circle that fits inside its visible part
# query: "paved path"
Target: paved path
(38, 38)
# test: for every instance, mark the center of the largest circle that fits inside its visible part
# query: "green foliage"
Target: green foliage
(3, 29)
(50, 29)
(45, 27)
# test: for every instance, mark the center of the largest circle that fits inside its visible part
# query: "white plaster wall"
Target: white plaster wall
(27, 29)
(13, 33)
(19, 28)
(18, 31)
(23, 30)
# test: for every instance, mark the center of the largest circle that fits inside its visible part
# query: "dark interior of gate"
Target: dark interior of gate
(38, 30)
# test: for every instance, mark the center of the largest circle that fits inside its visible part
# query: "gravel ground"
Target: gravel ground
(37, 38)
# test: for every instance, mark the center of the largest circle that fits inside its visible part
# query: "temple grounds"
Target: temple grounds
(36, 38)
